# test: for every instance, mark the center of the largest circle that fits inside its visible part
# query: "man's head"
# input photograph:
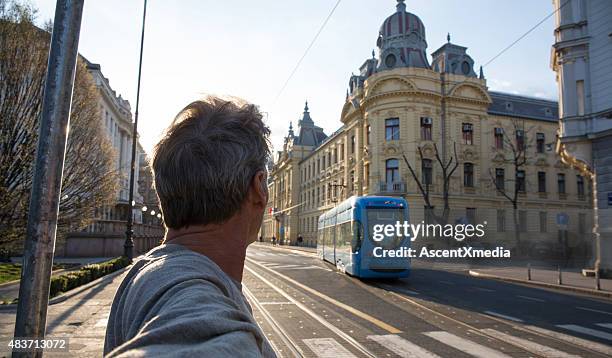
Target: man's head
(211, 164)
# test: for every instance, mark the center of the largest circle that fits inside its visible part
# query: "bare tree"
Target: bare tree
(516, 144)
(448, 168)
(89, 179)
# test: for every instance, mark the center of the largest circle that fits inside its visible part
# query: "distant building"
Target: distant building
(582, 59)
(399, 102)
(105, 235)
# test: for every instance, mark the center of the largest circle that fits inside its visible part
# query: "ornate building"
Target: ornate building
(581, 59)
(401, 110)
(105, 235)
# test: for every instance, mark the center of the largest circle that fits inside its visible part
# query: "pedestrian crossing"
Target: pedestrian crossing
(409, 348)
(284, 267)
(273, 254)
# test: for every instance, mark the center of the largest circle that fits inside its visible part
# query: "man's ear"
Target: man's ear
(259, 188)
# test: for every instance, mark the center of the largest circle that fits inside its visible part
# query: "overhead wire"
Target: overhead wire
(526, 33)
(306, 52)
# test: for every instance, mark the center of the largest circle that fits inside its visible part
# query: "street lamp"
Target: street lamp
(144, 208)
(128, 246)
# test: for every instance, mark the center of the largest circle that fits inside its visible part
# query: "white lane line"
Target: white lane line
(531, 298)
(533, 347)
(605, 325)
(588, 331)
(311, 267)
(406, 291)
(584, 343)
(465, 345)
(594, 310)
(327, 348)
(402, 347)
(484, 289)
(275, 303)
(285, 266)
(400, 290)
(510, 318)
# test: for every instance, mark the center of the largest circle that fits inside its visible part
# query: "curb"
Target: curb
(69, 294)
(587, 291)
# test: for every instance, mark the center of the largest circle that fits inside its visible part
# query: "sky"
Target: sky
(248, 49)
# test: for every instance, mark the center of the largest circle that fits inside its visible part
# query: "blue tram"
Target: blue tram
(344, 237)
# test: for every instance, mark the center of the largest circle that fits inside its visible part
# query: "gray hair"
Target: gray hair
(205, 162)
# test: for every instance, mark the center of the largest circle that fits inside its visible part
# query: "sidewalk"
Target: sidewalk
(571, 281)
(81, 317)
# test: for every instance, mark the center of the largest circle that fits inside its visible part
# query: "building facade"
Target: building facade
(581, 58)
(105, 235)
(401, 110)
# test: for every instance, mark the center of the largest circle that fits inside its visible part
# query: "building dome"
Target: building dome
(401, 40)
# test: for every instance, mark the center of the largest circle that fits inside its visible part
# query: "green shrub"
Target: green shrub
(86, 274)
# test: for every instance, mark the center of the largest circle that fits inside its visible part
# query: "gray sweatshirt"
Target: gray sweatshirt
(176, 302)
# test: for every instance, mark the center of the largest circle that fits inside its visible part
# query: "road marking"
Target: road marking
(406, 291)
(327, 348)
(605, 325)
(310, 312)
(585, 330)
(387, 327)
(284, 266)
(402, 347)
(510, 318)
(465, 345)
(447, 282)
(484, 289)
(275, 303)
(534, 347)
(598, 347)
(593, 310)
(531, 298)
(311, 267)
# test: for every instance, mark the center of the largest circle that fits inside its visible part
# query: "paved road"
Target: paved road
(309, 309)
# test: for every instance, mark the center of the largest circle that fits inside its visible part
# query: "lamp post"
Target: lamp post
(128, 246)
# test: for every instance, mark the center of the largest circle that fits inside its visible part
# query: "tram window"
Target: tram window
(356, 236)
(385, 217)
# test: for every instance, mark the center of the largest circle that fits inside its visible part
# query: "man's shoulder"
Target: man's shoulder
(172, 264)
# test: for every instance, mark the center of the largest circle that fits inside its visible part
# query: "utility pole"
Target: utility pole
(47, 180)
(128, 246)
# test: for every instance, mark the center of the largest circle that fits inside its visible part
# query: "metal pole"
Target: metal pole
(559, 280)
(596, 231)
(528, 272)
(47, 180)
(128, 246)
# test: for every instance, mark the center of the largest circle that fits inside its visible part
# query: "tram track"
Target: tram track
(335, 330)
(293, 346)
(531, 343)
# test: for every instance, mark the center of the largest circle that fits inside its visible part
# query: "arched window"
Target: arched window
(392, 171)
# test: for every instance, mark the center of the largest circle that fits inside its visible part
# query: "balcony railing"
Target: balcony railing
(392, 188)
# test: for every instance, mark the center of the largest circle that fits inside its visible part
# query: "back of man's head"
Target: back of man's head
(207, 159)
